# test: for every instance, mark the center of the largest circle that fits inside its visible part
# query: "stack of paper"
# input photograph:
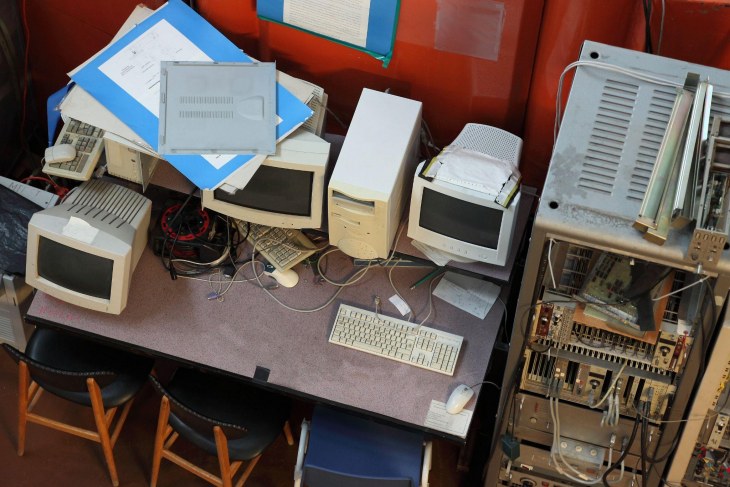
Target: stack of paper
(118, 88)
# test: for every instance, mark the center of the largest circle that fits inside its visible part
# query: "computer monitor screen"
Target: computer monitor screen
(74, 269)
(475, 224)
(286, 191)
(85, 250)
(275, 190)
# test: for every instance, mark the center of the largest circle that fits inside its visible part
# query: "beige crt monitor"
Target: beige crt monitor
(286, 191)
(370, 182)
(85, 250)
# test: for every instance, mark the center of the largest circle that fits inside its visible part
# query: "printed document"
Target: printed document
(344, 20)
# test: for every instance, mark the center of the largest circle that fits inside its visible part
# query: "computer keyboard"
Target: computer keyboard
(282, 247)
(396, 339)
(88, 142)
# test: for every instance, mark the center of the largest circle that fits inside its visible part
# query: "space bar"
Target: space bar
(367, 347)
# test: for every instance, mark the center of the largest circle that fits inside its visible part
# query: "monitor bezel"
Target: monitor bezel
(448, 244)
(103, 245)
(275, 219)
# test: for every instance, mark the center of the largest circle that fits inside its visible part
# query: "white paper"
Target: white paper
(473, 170)
(435, 255)
(400, 304)
(455, 424)
(475, 296)
(78, 229)
(345, 20)
(136, 67)
(241, 176)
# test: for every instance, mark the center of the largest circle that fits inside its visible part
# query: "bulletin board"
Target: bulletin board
(366, 25)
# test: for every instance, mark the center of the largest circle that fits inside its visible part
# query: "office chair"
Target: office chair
(342, 450)
(224, 417)
(82, 372)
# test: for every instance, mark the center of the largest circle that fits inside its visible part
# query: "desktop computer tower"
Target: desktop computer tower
(371, 179)
(580, 376)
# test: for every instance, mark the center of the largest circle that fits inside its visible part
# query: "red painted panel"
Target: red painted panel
(538, 39)
(455, 88)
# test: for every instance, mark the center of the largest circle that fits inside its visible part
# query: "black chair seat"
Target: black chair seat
(227, 400)
(71, 353)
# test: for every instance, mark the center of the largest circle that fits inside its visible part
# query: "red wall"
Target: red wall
(514, 90)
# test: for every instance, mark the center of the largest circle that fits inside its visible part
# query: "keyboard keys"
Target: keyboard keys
(282, 247)
(396, 339)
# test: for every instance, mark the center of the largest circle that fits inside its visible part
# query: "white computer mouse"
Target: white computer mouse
(60, 153)
(458, 399)
(288, 278)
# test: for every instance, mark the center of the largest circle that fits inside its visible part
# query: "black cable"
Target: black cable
(644, 445)
(625, 452)
(647, 26)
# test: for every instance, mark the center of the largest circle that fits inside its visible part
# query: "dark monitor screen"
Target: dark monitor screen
(459, 219)
(273, 189)
(74, 269)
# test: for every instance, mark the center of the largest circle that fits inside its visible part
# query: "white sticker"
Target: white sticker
(78, 229)
(438, 419)
(400, 304)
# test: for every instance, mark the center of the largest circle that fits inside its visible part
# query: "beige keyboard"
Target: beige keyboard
(88, 142)
(282, 247)
(396, 339)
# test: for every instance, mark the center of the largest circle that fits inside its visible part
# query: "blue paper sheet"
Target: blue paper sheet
(178, 18)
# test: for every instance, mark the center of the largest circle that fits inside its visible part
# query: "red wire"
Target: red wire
(57, 189)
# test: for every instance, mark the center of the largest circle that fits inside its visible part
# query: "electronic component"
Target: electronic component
(89, 144)
(396, 339)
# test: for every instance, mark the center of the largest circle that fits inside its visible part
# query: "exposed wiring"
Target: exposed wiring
(677, 291)
(550, 263)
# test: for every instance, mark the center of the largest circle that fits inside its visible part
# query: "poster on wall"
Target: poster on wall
(367, 25)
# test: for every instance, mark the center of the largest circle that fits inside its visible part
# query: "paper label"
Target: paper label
(78, 229)
(400, 304)
(455, 424)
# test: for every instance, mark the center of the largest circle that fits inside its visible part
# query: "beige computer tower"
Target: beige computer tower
(371, 181)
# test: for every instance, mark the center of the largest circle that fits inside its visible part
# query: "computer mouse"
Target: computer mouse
(288, 278)
(458, 399)
(60, 153)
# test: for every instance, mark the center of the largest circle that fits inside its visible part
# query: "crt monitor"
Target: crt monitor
(465, 223)
(85, 250)
(285, 191)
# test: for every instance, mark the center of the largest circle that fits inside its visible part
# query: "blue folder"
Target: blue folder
(216, 46)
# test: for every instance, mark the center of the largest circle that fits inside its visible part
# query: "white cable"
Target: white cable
(681, 289)
(550, 263)
(611, 388)
(584, 479)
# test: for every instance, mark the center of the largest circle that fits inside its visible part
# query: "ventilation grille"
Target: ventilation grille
(205, 100)
(119, 201)
(206, 114)
(606, 142)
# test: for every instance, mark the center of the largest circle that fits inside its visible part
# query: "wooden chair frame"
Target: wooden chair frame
(28, 394)
(165, 437)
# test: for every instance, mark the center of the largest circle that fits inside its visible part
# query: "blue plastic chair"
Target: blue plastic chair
(342, 450)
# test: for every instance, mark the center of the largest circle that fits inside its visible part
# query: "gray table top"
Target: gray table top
(249, 329)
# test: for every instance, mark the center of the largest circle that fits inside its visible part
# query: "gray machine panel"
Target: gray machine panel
(606, 148)
(217, 108)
